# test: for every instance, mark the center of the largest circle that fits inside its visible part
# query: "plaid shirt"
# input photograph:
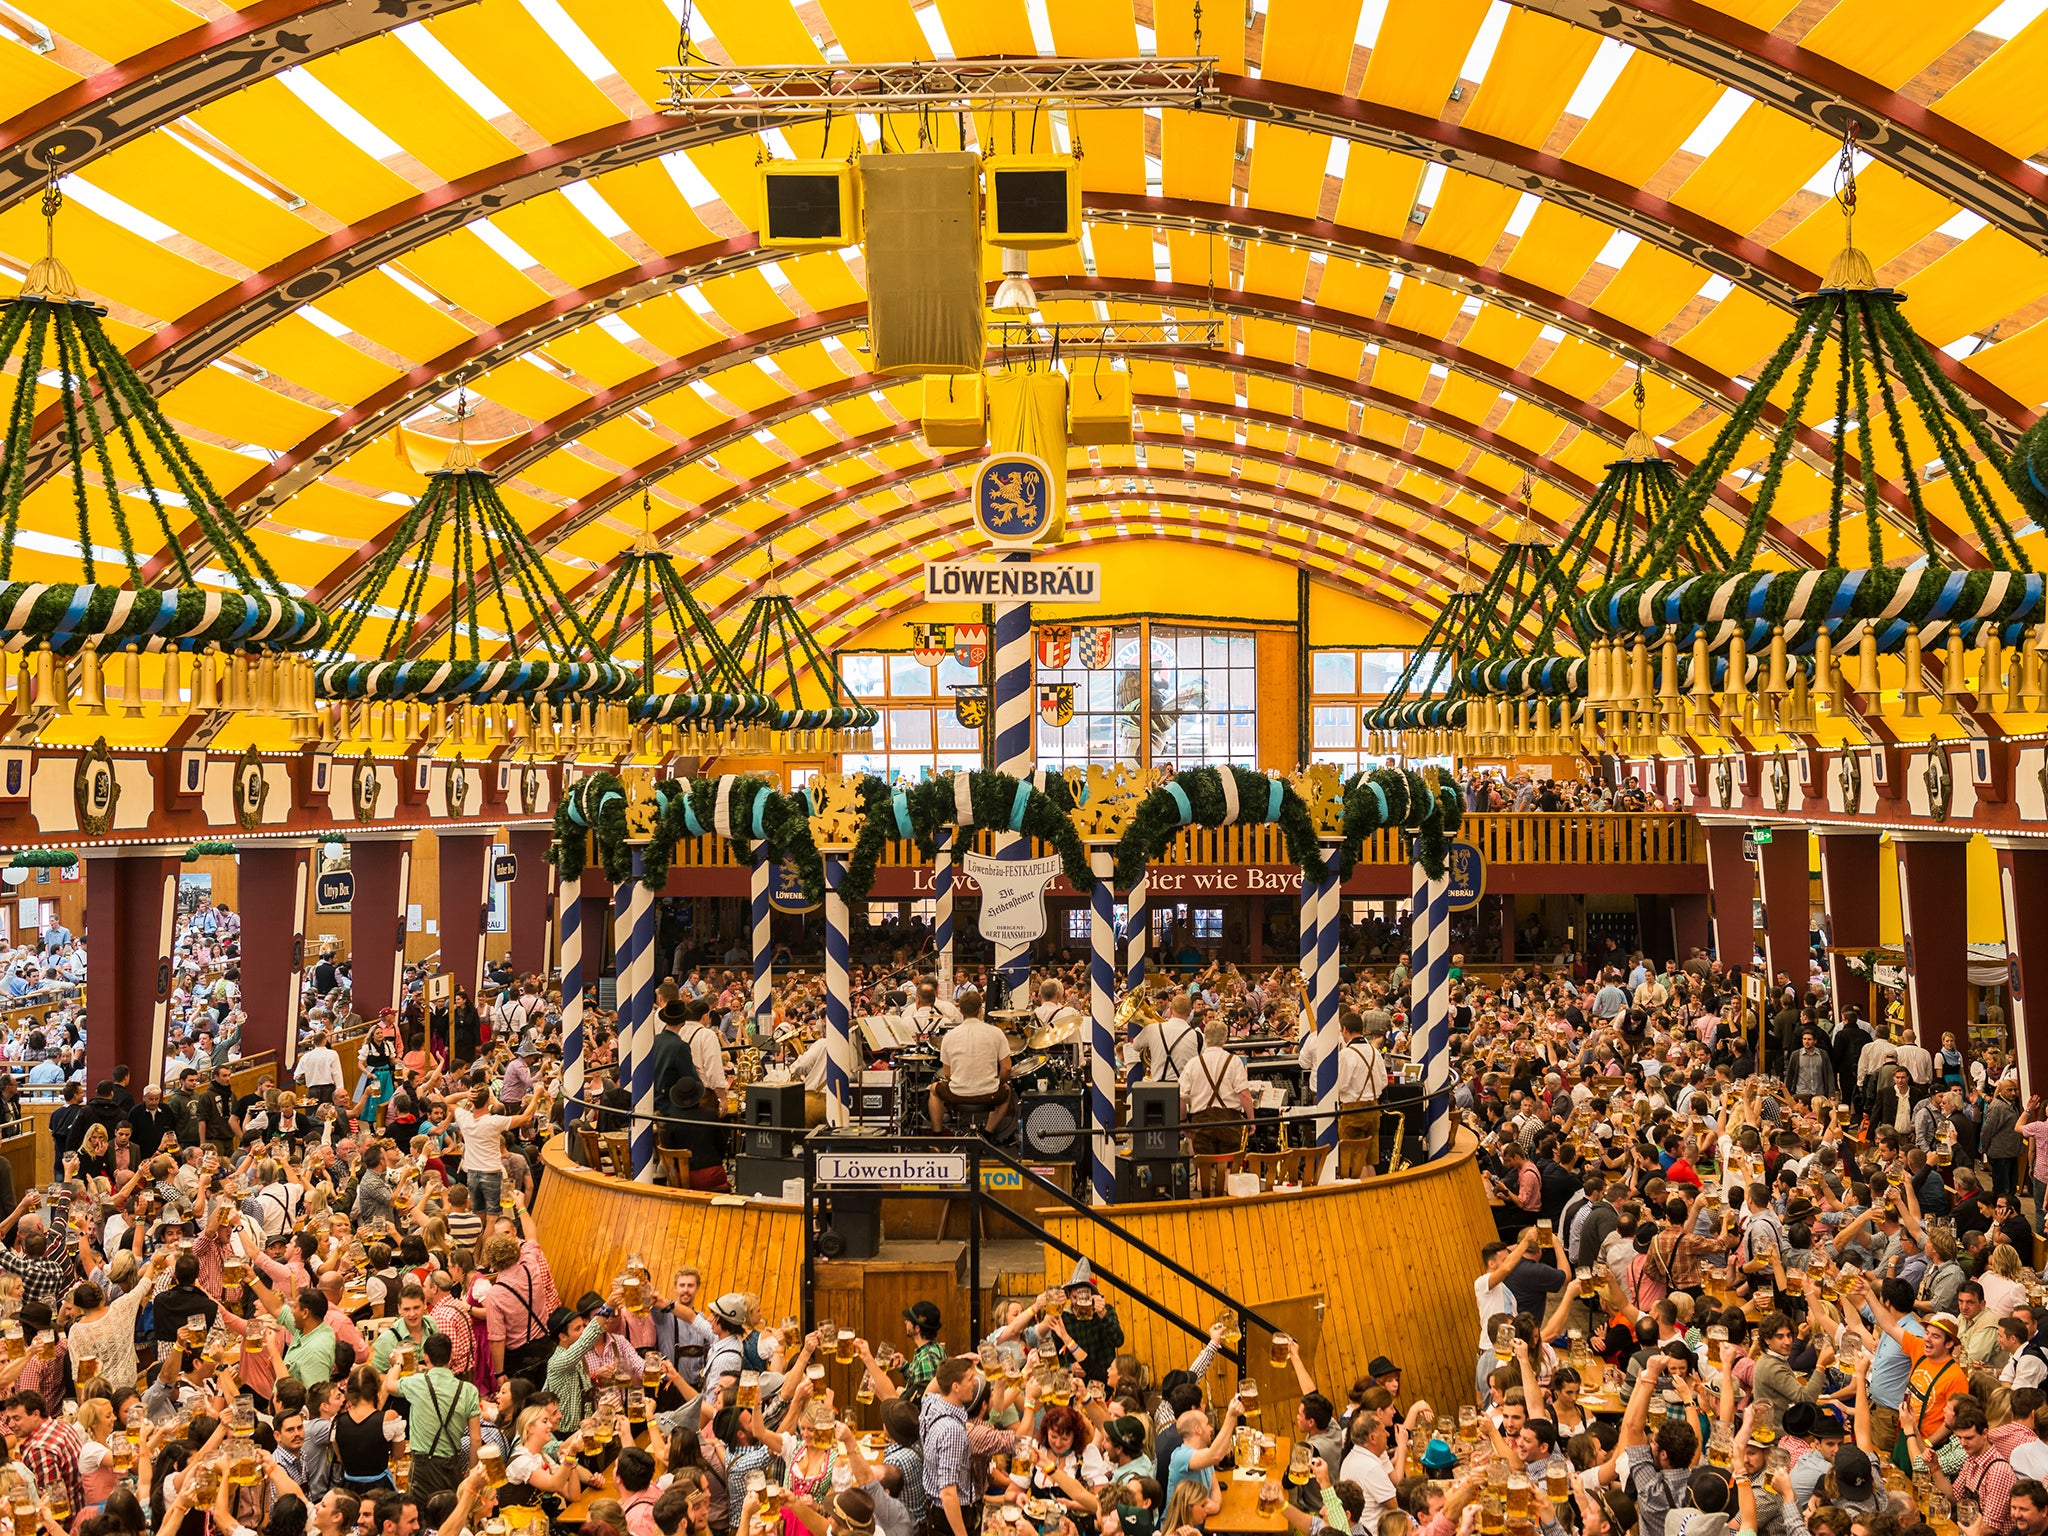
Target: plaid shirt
(452, 1318)
(51, 1456)
(1097, 1337)
(924, 1365)
(942, 1430)
(45, 1279)
(910, 1461)
(1988, 1476)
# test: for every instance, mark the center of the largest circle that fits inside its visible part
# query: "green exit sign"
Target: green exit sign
(1760, 835)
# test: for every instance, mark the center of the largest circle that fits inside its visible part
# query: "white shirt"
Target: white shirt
(320, 1067)
(483, 1141)
(1231, 1079)
(1918, 1061)
(810, 1066)
(703, 1042)
(1361, 1072)
(1374, 1478)
(1167, 1045)
(2029, 1459)
(1495, 1303)
(2023, 1370)
(926, 1019)
(972, 1054)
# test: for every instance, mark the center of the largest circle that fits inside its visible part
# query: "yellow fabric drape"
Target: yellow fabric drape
(1027, 413)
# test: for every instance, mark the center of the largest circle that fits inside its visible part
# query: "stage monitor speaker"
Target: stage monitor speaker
(851, 1227)
(1055, 1126)
(1152, 1179)
(765, 1175)
(923, 248)
(1404, 1099)
(773, 1117)
(875, 1101)
(1154, 1121)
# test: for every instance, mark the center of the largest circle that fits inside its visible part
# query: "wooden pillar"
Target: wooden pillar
(2023, 891)
(383, 871)
(465, 871)
(1732, 888)
(1849, 875)
(1692, 925)
(275, 884)
(530, 903)
(1785, 874)
(1934, 912)
(131, 903)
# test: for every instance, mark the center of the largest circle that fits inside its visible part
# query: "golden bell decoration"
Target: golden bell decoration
(1776, 683)
(1868, 681)
(1911, 691)
(1737, 689)
(92, 696)
(1953, 682)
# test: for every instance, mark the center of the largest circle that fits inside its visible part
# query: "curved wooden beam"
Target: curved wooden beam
(183, 74)
(1916, 141)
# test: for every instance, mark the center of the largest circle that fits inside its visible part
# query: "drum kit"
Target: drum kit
(1044, 1059)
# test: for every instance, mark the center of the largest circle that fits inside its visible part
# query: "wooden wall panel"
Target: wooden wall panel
(1391, 1260)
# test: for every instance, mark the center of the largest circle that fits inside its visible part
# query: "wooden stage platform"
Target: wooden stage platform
(1383, 1267)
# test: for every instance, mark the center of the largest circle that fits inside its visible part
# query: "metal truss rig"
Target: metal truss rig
(704, 91)
(1066, 335)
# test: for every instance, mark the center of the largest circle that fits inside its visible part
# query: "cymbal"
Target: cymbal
(1009, 1013)
(1063, 1033)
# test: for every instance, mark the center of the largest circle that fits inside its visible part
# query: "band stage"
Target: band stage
(1382, 1267)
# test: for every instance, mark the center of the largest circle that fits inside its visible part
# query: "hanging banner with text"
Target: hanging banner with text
(1012, 896)
(996, 581)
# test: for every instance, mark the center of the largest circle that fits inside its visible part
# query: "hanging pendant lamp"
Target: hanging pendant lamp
(210, 607)
(465, 652)
(1903, 436)
(699, 694)
(779, 657)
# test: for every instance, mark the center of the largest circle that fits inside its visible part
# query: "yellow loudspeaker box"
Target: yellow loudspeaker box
(1034, 201)
(1099, 408)
(955, 410)
(809, 205)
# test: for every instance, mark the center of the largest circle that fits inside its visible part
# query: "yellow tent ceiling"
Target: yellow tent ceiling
(1413, 346)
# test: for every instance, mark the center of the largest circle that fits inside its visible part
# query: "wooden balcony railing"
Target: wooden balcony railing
(1505, 837)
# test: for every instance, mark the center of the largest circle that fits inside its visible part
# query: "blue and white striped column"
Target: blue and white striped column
(1013, 707)
(1323, 995)
(942, 902)
(839, 1063)
(1429, 1006)
(633, 922)
(764, 979)
(1137, 933)
(569, 904)
(1102, 1025)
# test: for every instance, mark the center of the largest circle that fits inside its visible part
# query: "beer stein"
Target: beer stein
(1281, 1344)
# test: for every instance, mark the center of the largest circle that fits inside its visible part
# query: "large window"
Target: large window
(918, 734)
(1105, 724)
(1342, 683)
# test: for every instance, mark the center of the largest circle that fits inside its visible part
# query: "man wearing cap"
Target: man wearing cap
(575, 1332)
(728, 1355)
(921, 1323)
(1936, 1376)
(670, 1054)
(1810, 1439)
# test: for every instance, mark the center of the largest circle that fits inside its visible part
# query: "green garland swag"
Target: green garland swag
(43, 858)
(930, 806)
(68, 616)
(1158, 821)
(1409, 806)
(208, 848)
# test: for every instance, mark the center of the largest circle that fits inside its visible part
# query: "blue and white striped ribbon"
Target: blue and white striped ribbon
(1324, 997)
(839, 1066)
(1102, 1030)
(1429, 998)
(633, 920)
(764, 1003)
(1137, 933)
(569, 897)
(1013, 708)
(942, 901)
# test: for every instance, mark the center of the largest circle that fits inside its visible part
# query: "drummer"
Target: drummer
(1055, 1014)
(928, 1015)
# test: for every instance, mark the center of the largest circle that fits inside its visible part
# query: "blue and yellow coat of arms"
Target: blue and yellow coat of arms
(1014, 498)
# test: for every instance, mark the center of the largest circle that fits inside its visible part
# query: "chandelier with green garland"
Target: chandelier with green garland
(698, 699)
(222, 631)
(780, 658)
(1900, 432)
(458, 673)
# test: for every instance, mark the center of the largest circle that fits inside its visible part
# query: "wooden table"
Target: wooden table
(1603, 1403)
(1240, 1511)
